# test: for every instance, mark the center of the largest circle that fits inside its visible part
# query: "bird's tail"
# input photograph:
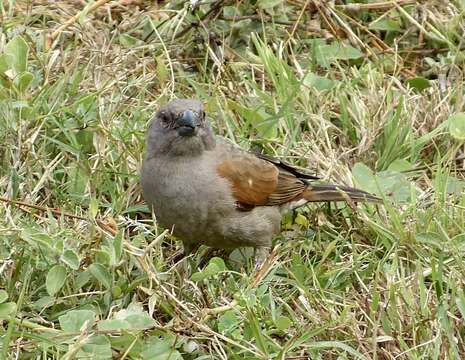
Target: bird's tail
(321, 193)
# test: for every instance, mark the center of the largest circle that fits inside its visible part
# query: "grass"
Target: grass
(84, 271)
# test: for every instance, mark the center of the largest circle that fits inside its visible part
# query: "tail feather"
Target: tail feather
(321, 193)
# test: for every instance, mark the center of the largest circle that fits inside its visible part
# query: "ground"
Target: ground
(365, 94)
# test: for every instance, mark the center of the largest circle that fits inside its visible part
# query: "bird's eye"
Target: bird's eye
(165, 119)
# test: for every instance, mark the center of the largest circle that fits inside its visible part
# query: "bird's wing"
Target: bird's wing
(258, 181)
(285, 166)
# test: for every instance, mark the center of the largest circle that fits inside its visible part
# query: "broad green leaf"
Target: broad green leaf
(160, 349)
(135, 317)
(3, 296)
(267, 4)
(327, 54)
(44, 302)
(5, 59)
(128, 41)
(17, 50)
(385, 25)
(101, 274)
(140, 321)
(227, 322)
(93, 208)
(98, 347)
(454, 185)
(55, 279)
(113, 324)
(37, 239)
(71, 259)
(5, 81)
(364, 178)
(24, 80)
(400, 165)
(430, 239)
(283, 323)
(7, 309)
(457, 126)
(73, 320)
(320, 83)
(215, 266)
(418, 83)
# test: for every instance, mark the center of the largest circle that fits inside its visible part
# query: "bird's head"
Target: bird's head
(180, 128)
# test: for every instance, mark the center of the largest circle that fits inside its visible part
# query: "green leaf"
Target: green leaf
(327, 54)
(267, 4)
(283, 323)
(117, 247)
(17, 50)
(160, 349)
(113, 324)
(400, 165)
(55, 279)
(227, 322)
(71, 259)
(385, 25)
(37, 239)
(430, 239)
(454, 185)
(93, 208)
(101, 274)
(457, 126)
(73, 320)
(134, 317)
(215, 266)
(140, 321)
(364, 178)
(24, 80)
(320, 83)
(5, 59)
(418, 83)
(3, 296)
(97, 347)
(265, 124)
(7, 309)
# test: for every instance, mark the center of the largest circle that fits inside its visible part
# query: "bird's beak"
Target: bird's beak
(187, 123)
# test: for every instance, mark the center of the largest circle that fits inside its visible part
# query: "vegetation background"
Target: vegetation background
(365, 93)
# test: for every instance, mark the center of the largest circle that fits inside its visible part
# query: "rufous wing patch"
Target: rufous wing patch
(253, 180)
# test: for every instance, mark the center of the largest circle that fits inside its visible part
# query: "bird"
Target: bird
(208, 190)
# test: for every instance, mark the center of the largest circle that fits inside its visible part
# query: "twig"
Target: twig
(100, 223)
(381, 6)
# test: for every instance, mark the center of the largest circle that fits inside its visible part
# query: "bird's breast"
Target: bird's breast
(186, 195)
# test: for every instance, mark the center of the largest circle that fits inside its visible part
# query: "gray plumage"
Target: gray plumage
(209, 191)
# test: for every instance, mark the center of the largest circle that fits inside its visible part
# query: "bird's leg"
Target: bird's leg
(184, 263)
(261, 254)
(189, 248)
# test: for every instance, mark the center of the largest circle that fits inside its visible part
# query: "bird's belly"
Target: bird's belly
(190, 202)
(198, 207)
